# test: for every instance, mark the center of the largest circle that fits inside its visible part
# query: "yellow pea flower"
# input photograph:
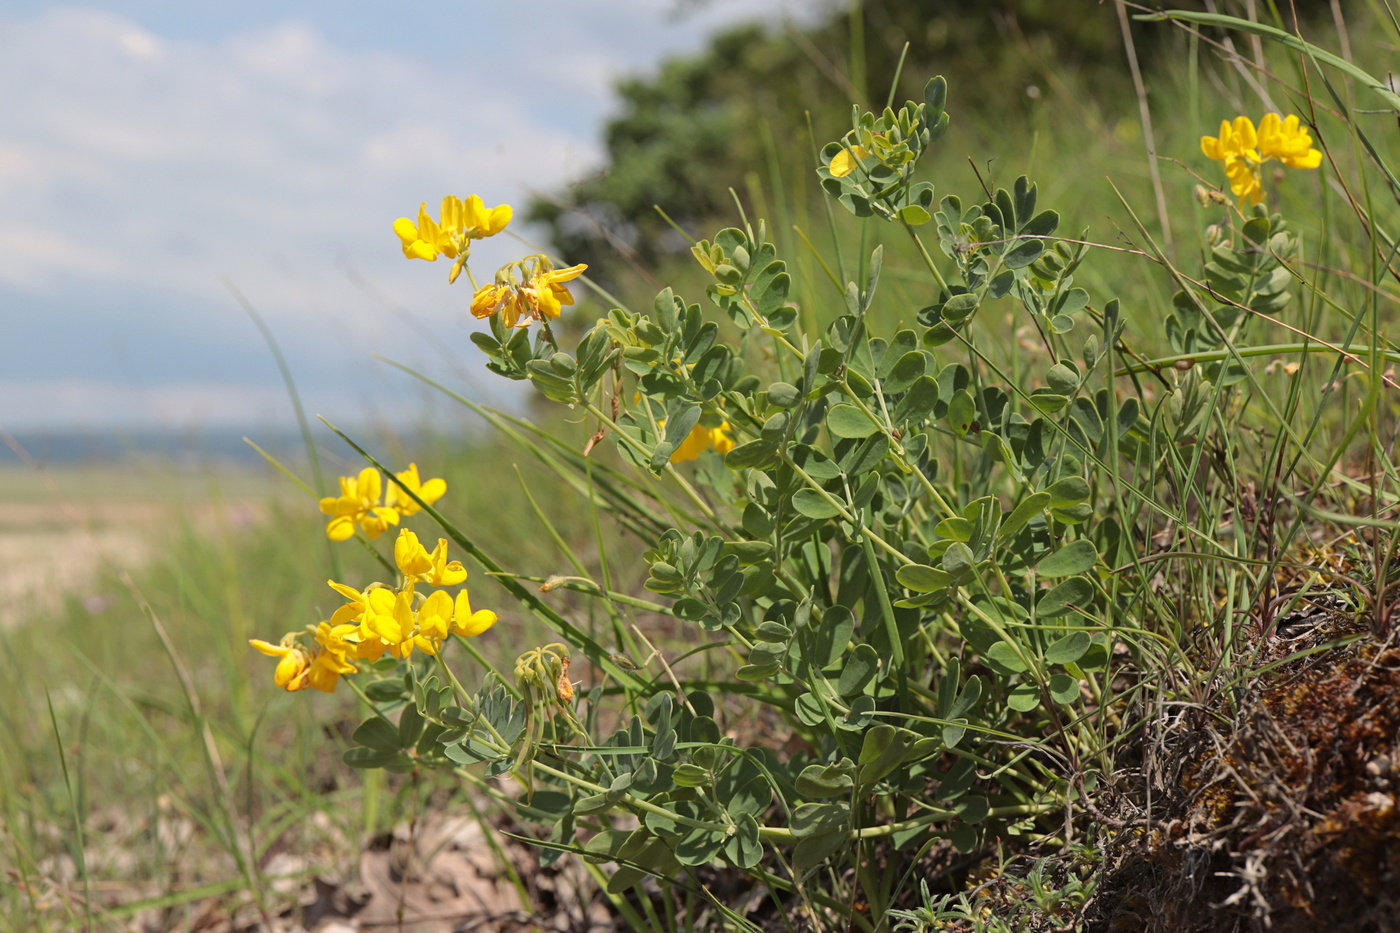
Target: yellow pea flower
(389, 616)
(1243, 150)
(401, 502)
(341, 640)
(422, 240)
(293, 662)
(846, 161)
(410, 555)
(471, 219)
(444, 572)
(702, 439)
(525, 291)
(545, 293)
(416, 562)
(435, 616)
(470, 624)
(320, 669)
(358, 502)
(325, 671)
(1287, 141)
(462, 220)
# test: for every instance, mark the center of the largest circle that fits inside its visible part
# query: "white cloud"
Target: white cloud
(136, 164)
(176, 162)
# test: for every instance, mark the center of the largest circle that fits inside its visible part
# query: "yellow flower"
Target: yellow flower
(388, 616)
(1286, 141)
(423, 240)
(416, 563)
(325, 671)
(525, 291)
(1243, 150)
(473, 220)
(400, 501)
(702, 439)
(462, 221)
(320, 669)
(435, 617)
(470, 624)
(293, 662)
(358, 502)
(357, 612)
(845, 161)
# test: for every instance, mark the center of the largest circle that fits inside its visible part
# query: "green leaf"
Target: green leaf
(850, 421)
(809, 708)
(884, 749)
(770, 288)
(813, 850)
(962, 411)
(812, 819)
(833, 780)
(955, 528)
(862, 711)
(743, 848)
(1069, 491)
(1068, 649)
(1075, 557)
(608, 845)
(812, 504)
(918, 402)
(691, 775)
(923, 579)
(958, 560)
(755, 455)
(972, 808)
(1075, 514)
(378, 733)
(860, 667)
(857, 457)
(1076, 591)
(375, 758)
(1047, 402)
(1029, 508)
(914, 215)
(698, 846)
(1063, 380)
(784, 395)
(1004, 655)
(1064, 689)
(963, 837)
(906, 372)
(1024, 698)
(411, 724)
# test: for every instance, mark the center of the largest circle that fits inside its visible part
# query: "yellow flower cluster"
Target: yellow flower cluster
(462, 221)
(358, 502)
(381, 618)
(1243, 150)
(702, 439)
(525, 291)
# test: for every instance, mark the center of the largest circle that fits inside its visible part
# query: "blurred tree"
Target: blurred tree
(689, 133)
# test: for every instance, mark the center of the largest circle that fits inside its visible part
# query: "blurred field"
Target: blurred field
(62, 528)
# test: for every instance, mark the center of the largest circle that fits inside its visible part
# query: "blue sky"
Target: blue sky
(149, 151)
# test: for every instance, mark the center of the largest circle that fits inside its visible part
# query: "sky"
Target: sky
(157, 157)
